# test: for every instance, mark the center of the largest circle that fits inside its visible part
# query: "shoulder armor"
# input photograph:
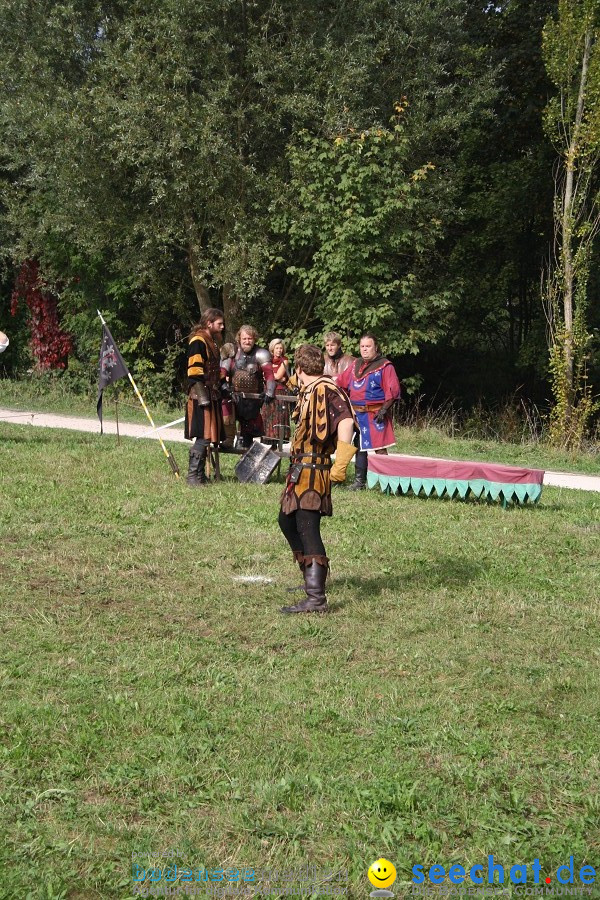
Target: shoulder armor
(262, 356)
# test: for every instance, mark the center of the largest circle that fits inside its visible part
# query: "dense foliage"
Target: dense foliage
(306, 165)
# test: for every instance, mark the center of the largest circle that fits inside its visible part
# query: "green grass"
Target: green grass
(445, 709)
(52, 395)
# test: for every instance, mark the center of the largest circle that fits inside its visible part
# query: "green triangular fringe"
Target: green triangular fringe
(478, 487)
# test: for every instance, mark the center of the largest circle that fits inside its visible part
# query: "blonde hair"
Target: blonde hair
(249, 329)
(274, 343)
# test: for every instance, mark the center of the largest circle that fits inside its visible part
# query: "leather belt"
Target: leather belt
(363, 409)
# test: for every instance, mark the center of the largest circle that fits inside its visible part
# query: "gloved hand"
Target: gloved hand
(199, 393)
(270, 388)
(226, 390)
(381, 415)
(343, 454)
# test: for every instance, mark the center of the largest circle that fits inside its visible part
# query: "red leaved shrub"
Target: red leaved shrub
(49, 344)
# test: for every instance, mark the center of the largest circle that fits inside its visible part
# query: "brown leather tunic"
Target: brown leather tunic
(320, 409)
(335, 365)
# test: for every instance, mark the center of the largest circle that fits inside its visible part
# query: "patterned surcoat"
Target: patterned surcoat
(204, 361)
(369, 386)
(204, 365)
(321, 407)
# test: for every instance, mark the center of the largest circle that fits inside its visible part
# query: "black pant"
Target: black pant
(302, 530)
(361, 463)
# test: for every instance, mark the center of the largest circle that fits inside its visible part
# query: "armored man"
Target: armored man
(252, 383)
(324, 421)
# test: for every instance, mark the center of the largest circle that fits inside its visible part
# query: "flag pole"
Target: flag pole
(168, 454)
(117, 416)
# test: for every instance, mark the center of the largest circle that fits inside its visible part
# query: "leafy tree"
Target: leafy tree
(496, 243)
(146, 145)
(366, 229)
(50, 344)
(572, 120)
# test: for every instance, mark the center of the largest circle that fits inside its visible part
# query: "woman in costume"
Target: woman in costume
(275, 416)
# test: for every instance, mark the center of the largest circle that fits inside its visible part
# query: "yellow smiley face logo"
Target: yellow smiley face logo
(382, 873)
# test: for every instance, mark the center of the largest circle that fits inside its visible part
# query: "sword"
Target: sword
(160, 428)
(285, 398)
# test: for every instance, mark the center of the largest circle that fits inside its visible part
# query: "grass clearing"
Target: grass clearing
(446, 708)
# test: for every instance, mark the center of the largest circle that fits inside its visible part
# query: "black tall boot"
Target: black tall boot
(360, 472)
(360, 481)
(315, 574)
(196, 476)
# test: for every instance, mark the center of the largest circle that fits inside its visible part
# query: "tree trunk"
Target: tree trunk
(202, 293)
(567, 225)
(232, 310)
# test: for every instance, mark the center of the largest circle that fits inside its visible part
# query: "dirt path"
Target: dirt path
(76, 423)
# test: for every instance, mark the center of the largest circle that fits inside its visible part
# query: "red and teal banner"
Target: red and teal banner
(399, 474)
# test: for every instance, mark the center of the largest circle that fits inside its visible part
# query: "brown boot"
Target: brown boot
(228, 443)
(299, 558)
(315, 574)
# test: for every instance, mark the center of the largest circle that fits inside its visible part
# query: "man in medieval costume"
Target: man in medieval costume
(252, 374)
(203, 417)
(324, 422)
(336, 361)
(373, 388)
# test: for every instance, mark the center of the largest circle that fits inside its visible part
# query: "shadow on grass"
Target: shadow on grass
(446, 571)
(28, 439)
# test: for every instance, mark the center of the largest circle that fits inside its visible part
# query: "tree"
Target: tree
(572, 121)
(497, 241)
(365, 228)
(148, 142)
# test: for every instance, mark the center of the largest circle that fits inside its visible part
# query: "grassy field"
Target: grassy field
(447, 707)
(431, 442)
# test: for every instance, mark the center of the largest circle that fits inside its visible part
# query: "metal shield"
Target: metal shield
(258, 464)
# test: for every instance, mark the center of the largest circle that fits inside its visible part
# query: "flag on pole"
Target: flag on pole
(111, 366)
